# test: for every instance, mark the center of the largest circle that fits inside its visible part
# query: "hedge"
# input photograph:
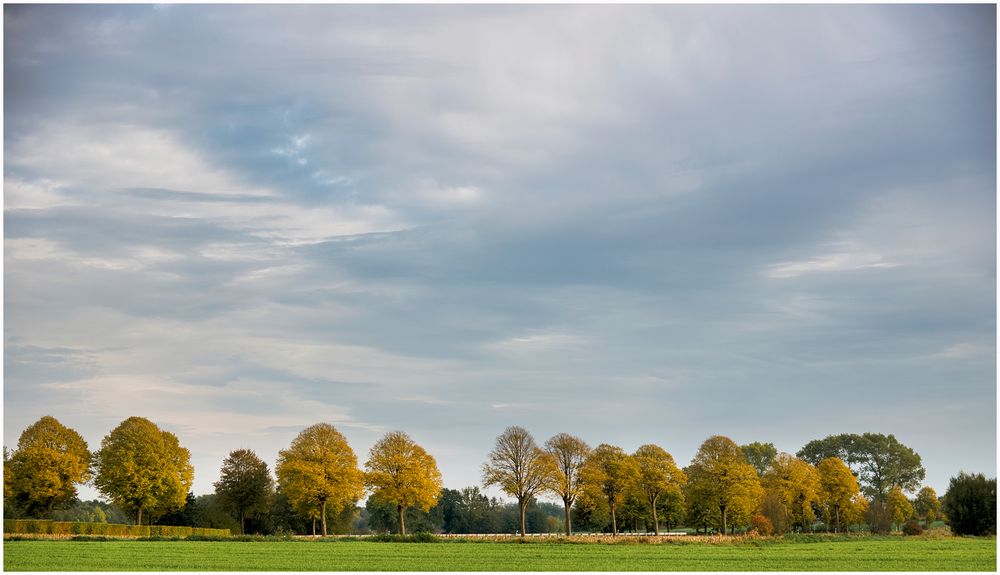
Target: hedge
(45, 527)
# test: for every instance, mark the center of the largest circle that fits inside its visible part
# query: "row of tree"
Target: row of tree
(845, 480)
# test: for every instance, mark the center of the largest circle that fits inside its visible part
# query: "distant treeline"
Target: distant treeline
(839, 483)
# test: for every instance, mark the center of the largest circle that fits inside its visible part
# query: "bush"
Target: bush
(761, 524)
(912, 527)
(971, 504)
(45, 527)
(419, 537)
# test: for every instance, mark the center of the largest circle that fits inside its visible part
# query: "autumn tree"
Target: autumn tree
(927, 505)
(610, 472)
(143, 469)
(658, 476)
(519, 468)
(838, 488)
(796, 485)
(719, 477)
(50, 461)
(899, 506)
(569, 453)
(319, 470)
(759, 455)
(400, 472)
(879, 461)
(245, 484)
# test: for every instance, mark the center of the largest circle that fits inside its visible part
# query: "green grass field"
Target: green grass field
(849, 554)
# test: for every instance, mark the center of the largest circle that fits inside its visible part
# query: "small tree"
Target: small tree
(610, 472)
(927, 505)
(519, 468)
(796, 484)
(899, 506)
(50, 461)
(143, 469)
(838, 488)
(245, 484)
(319, 470)
(569, 453)
(400, 472)
(971, 504)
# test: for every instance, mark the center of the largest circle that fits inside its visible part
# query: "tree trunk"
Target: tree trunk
(323, 511)
(314, 526)
(837, 511)
(243, 529)
(522, 504)
(656, 521)
(138, 517)
(724, 510)
(614, 523)
(402, 528)
(569, 529)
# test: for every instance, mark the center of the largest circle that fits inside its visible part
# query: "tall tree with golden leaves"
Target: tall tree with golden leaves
(838, 488)
(658, 476)
(143, 469)
(518, 467)
(719, 477)
(402, 473)
(319, 470)
(611, 473)
(50, 461)
(796, 485)
(569, 453)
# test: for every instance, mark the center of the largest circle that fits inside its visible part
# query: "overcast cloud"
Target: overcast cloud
(635, 224)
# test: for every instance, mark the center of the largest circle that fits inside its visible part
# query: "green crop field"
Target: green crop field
(848, 554)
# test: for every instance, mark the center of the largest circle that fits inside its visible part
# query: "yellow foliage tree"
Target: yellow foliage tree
(569, 453)
(611, 473)
(658, 476)
(142, 468)
(400, 472)
(519, 468)
(838, 488)
(927, 505)
(719, 478)
(796, 485)
(899, 505)
(50, 460)
(319, 470)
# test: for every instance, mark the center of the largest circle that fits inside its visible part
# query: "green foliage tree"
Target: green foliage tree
(899, 506)
(319, 470)
(838, 489)
(879, 461)
(245, 484)
(569, 453)
(971, 504)
(720, 477)
(402, 473)
(610, 472)
(759, 455)
(143, 469)
(658, 475)
(927, 505)
(796, 485)
(519, 468)
(50, 461)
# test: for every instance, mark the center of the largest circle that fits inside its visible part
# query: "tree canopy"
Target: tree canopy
(971, 504)
(796, 485)
(838, 491)
(50, 461)
(759, 455)
(927, 505)
(245, 484)
(611, 473)
(721, 484)
(143, 469)
(319, 470)
(879, 461)
(402, 473)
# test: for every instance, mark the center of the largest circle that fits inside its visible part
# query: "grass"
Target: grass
(828, 554)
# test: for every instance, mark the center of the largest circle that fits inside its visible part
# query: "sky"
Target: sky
(635, 224)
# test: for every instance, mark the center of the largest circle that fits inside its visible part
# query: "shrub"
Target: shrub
(761, 524)
(971, 504)
(45, 527)
(419, 537)
(912, 527)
